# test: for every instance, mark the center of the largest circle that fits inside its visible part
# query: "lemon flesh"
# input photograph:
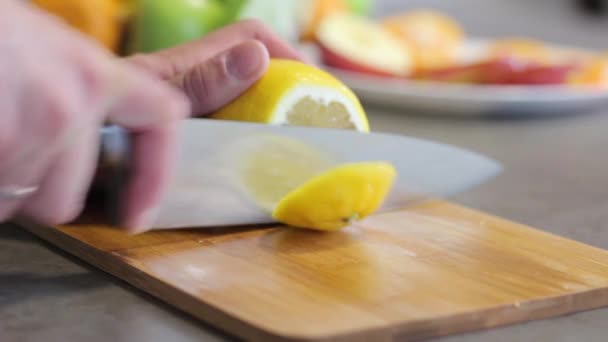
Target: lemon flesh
(297, 94)
(337, 197)
(276, 165)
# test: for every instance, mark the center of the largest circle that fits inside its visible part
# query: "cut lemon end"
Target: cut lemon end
(297, 94)
(332, 115)
(338, 197)
(276, 166)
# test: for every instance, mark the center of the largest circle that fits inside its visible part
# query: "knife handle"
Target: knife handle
(113, 169)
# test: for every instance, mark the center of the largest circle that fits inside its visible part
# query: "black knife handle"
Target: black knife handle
(113, 169)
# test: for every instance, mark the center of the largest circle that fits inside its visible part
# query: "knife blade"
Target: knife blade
(209, 185)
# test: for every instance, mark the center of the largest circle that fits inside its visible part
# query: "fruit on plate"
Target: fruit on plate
(160, 24)
(433, 37)
(541, 75)
(493, 71)
(101, 20)
(501, 71)
(337, 197)
(355, 43)
(594, 73)
(525, 49)
(298, 94)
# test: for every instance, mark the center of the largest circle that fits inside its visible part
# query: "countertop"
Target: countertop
(555, 179)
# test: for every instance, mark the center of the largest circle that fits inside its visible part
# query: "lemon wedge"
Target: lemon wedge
(297, 94)
(337, 197)
(272, 166)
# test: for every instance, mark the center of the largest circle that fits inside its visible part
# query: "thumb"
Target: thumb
(216, 82)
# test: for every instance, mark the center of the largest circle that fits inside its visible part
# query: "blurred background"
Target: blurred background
(163, 22)
(573, 22)
(473, 42)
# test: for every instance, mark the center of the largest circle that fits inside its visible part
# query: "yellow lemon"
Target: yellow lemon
(275, 165)
(337, 197)
(297, 94)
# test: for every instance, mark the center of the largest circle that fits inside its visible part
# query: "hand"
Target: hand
(214, 70)
(56, 89)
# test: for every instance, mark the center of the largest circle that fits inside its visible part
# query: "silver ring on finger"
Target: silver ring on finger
(15, 192)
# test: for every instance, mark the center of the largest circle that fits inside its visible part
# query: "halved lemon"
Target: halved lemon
(297, 94)
(337, 197)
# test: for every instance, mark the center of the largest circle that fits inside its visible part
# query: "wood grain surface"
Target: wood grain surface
(431, 270)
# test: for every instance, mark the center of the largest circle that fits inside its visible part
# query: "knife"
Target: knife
(209, 188)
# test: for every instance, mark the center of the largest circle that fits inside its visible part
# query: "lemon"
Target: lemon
(297, 94)
(272, 166)
(337, 197)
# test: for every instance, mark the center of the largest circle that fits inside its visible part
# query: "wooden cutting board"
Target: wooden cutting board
(431, 270)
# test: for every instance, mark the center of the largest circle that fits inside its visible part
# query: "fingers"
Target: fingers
(151, 113)
(62, 192)
(222, 78)
(154, 153)
(169, 63)
(42, 116)
(50, 114)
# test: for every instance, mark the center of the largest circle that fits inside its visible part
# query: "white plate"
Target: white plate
(439, 98)
(471, 100)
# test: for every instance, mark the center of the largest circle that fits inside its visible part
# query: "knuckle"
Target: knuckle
(58, 115)
(92, 80)
(200, 83)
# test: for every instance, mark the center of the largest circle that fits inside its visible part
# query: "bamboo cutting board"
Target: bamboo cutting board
(431, 270)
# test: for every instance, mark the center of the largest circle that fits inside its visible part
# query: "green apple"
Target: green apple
(160, 24)
(361, 7)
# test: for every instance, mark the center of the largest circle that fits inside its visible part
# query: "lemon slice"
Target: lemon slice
(337, 197)
(275, 165)
(297, 94)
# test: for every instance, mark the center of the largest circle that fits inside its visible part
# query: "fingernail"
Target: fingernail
(246, 60)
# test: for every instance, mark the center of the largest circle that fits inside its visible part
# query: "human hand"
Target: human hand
(217, 68)
(56, 90)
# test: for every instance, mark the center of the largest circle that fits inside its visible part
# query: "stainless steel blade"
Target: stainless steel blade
(207, 188)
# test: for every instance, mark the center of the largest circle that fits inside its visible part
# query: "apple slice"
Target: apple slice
(492, 71)
(543, 75)
(356, 43)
